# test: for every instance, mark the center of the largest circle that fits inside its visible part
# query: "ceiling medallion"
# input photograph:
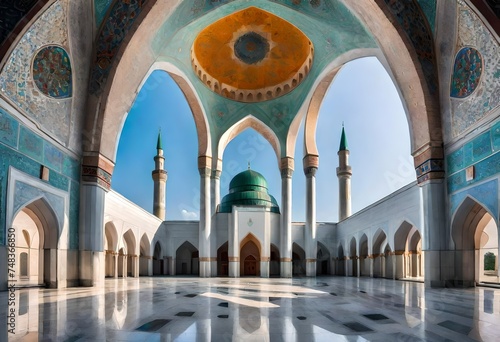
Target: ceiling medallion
(252, 56)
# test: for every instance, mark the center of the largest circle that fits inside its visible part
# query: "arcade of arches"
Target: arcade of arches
(70, 72)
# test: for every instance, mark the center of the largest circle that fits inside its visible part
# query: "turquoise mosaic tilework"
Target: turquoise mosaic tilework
(31, 144)
(52, 157)
(479, 152)
(495, 136)
(429, 9)
(71, 168)
(484, 169)
(33, 152)
(485, 193)
(74, 209)
(100, 9)
(9, 129)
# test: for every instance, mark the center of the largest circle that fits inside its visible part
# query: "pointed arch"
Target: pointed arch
(251, 238)
(111, 236)
(187, 259)
(111, 117)
(247, 122)
(129, 242)
(145, 245)
(298, 260)
(379, 238)
(401, 235)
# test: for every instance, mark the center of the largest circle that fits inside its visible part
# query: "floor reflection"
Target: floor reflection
(221, 309)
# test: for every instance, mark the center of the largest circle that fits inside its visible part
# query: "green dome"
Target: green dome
(248, 188)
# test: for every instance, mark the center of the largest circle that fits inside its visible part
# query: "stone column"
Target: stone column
(286, 217)
(398, 264)
(311, 163)
(215, 189)
(371, 262)
(204, 163)
(96, 182)
(439, 264)
(115, 262)
(233, 246)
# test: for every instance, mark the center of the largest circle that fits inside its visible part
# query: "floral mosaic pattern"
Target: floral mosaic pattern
(466, 72)
(486, 96)
(413, 22)
(52, 72)
(16, 78)
(115, 29)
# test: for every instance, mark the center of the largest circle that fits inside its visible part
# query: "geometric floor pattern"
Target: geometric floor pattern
(254, 309)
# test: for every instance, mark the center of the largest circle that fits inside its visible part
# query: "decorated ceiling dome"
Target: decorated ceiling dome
(252, 56)
(248, 188)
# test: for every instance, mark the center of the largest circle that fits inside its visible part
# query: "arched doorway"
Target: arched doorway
(187, 259)
(389, 264)
(322, 260)
(223, 260)
(250, 256)
(353, 259)
(157, 260)
(379, 241)
(145, 257)
(475, 234)
(36, 238)
(341, 262)
(274, 265)
(110, 246)
(298, 260)
(130, 267)
(406, 255)
(364, 261)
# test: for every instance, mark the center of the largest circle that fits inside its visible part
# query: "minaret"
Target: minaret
(160, 181)
(344, 173)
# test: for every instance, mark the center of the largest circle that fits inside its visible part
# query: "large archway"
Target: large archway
(36, 243)
(341, 261)
(130, 258)
(187, 259)
(474, 232)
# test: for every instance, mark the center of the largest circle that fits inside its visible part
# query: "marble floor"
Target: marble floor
(254, 309)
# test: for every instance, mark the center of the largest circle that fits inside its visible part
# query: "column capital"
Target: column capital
(97, 169)
(429, 162)
(310, 160)
(204, 162)
(205, 172)
(286, 167)
(310, 171)
(215, 174)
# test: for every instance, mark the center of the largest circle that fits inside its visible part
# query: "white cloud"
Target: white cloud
(188, 215)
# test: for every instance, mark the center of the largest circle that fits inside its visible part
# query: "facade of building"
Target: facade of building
(70, 71)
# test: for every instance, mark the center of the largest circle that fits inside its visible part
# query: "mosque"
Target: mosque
(70, 71)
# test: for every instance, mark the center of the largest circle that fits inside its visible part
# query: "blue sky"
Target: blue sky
(362, 96)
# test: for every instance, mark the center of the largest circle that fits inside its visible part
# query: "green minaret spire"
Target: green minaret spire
(158, 144)
(343, 140)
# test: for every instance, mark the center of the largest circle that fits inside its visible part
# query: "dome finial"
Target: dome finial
(249, 164)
